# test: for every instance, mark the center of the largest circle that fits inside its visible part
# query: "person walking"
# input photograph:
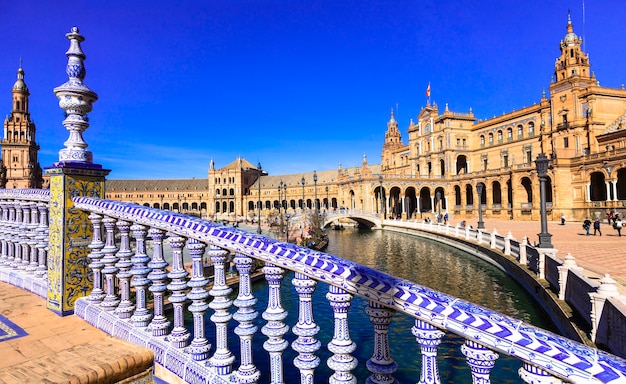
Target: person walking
(618, 225)
(596, 227)
(562, 219)
(587, 225)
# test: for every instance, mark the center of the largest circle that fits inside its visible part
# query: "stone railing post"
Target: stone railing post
(223, 358)
(523, 259)
(42, 241)
(507, 243)
(245, 315)
(568, 263)
(606, 289)
(494, 236)
(275, 328)
(533, 375)
(467, 233)
(428, 337)
(342, 361)
(142, 315)
(456, 230)
(481, 361)
(199, 347)
(541, 268)
(380, 364)
(306, 344)
(74, 175)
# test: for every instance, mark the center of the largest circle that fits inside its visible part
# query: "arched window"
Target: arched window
(482, 140)
(232, 192)
(490, 138)
(531, 129)
(509, 133)
(499, 136)
(520, 131)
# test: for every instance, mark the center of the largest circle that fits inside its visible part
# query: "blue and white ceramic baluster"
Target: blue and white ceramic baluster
(126, 307)
(179, 336)
(275, 328)
(428, 338)
(42, 242)
(111, 299)
(95, 255)
(10, 236)
(223, 358)
(533, 375)
(23, 215)
(32, 238)
(158, 276)
(380, 364)
(245, 315)
(480, 359)
(198, 295)
(342, 362)
(142, 316)
(3, 231)
(306, 344)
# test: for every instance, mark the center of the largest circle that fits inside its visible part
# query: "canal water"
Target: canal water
(425, 262)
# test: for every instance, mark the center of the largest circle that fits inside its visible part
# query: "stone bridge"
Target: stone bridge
(365, 219)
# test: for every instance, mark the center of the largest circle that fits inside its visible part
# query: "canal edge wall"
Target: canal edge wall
(560, 313)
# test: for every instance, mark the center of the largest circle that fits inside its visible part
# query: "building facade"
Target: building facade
(578, 124)
(19, 167)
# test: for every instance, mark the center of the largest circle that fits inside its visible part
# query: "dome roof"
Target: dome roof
(20, 85)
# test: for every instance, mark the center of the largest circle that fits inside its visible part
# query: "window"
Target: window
(529, 157)
(482, 140)
(499, 136)
(566, 142)
(484, 164)
(531, 129)
(490, 138)
(509, 133)
(505, 161)
(520, 131)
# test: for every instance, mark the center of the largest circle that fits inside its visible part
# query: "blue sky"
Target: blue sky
(296, 85)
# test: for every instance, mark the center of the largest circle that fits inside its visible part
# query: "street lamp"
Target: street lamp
(315, 191)
(438, 197)
(327, 198)
(258, 204)
(302, 181)
(280, 203)
(287, 228)
(542, 171)
(479, 190)
(382, 201)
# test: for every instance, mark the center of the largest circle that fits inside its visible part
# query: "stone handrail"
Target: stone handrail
(586, 296)
(546, 357)
(24, 238)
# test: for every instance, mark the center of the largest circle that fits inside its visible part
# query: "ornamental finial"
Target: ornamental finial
(76, 99)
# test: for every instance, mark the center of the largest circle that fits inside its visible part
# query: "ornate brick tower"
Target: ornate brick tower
(19, 167)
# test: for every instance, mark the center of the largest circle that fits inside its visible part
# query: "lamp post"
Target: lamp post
(286, 215)
(382, 201)
(479, 190)
(287, 228)
(327, 202)
(258, 204)
(438, 197)
(302, 181)
(280, 203)
(315, 191)
(542, 171)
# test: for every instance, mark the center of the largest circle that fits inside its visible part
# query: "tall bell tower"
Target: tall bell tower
(19, 167)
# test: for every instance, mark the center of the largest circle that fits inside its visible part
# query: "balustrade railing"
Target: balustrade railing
(24, 238)
(126, 277)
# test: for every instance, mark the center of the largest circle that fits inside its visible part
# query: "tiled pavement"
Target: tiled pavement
(62, 349)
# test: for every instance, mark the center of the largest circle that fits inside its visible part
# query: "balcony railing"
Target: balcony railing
(116, 268)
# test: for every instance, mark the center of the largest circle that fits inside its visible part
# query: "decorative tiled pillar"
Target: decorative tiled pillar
(481, 361)
(428, 337)
(74, 175)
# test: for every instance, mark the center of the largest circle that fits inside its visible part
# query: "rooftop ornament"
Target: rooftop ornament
(76, 99)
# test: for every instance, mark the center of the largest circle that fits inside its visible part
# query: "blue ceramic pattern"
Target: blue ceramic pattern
(496, 331)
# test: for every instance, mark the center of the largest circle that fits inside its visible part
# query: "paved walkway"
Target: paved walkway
(596, 254)
(62, 349)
